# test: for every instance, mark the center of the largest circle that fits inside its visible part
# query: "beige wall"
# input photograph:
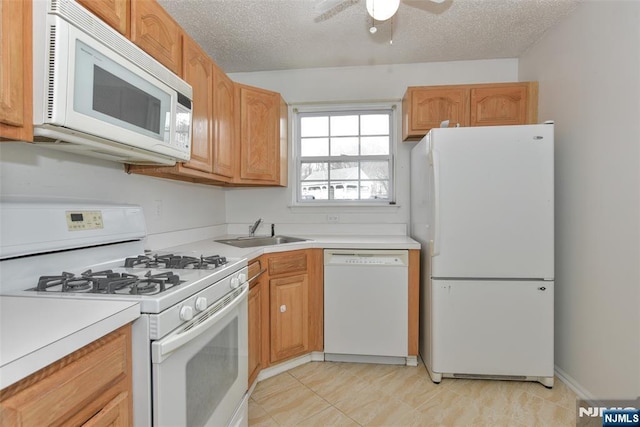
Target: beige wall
(589, 72)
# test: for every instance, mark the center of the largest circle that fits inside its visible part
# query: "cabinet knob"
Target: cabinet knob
(283, 308)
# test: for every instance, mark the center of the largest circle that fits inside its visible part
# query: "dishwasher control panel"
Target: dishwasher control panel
(366, 257)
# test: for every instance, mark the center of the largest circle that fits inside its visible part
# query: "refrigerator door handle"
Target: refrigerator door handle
(434, 244)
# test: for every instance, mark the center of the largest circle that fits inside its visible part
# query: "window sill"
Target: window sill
(344, 207)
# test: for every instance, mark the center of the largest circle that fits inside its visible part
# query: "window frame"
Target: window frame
(343, 110)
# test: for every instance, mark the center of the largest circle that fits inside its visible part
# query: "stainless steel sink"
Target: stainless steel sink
(250, 242)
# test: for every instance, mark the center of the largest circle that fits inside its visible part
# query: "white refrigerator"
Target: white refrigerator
(482, 207)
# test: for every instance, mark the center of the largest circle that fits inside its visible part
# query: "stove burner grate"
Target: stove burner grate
(175, 261)
(109, 282)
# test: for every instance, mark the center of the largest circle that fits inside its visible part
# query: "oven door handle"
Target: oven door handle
(161, 349)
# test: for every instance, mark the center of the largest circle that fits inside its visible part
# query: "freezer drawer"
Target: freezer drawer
(492, 327)
(366, 302)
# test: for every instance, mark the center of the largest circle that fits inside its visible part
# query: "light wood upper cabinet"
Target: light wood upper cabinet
(197, 70)
(259, 122)
(116, 13)
(91, 385)
(425, 107)
(223, 125)
(16, 108)
(155, 31)
(507, 104)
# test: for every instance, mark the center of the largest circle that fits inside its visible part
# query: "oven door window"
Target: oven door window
(202, 382)
(211, 373)
(111, 93)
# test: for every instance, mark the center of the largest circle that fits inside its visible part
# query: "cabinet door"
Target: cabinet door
(255, 331)
(289, 299)
(16, 111)
(223, 124)
(116, 413)
(115, 13)
(425, 108)
(259, 135)
(153, 29)
(504, 104)
(198, 72)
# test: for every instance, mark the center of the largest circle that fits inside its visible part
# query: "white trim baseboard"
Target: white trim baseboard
(574, 385)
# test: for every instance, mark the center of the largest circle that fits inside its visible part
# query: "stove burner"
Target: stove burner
(46, 282)
(175, 261)
(154, 283)
(108, 282)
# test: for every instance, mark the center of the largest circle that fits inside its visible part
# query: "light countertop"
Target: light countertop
(35, 332)
(314, 241)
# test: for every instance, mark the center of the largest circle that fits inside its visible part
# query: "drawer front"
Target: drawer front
(291, 263)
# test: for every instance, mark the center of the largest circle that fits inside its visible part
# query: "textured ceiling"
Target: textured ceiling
(258, 35)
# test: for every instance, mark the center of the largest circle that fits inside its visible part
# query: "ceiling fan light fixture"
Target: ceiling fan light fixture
(381, 10)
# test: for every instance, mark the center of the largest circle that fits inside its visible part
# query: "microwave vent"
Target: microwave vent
(51, 71)
(85, 21)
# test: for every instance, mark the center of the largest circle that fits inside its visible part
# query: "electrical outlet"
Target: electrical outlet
(333, 218)
(158, 208)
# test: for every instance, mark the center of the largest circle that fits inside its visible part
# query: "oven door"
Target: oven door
(200, 369)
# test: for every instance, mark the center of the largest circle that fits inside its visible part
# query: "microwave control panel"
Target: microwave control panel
(84, 220)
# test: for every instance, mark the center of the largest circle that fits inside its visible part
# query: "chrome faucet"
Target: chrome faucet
(254, 227)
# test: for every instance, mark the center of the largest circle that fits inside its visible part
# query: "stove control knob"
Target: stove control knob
(235, 282)
(201, 303)
(186, 313)
(242, 277)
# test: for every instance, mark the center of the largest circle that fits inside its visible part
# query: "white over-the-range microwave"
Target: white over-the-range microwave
(98, 94)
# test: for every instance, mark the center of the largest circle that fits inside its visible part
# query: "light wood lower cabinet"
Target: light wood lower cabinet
(258, 313)
(289, 316)
(91, 386)
(285, 308)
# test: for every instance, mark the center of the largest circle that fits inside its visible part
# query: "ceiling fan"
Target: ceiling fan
(379, 10)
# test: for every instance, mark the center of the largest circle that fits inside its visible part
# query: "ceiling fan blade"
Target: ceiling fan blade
(434, 6)
(329, 8)
(326, 5)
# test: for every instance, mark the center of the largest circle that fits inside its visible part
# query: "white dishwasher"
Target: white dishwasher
(366, 305)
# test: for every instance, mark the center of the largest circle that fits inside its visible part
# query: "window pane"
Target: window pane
(344, 146)
(375, 145)
(374, 170)
(314, 147)
(374, 124)
(314, 190)
(344, 125)
(313, 171)
(314, 126)
(341, 171)
(375, 189)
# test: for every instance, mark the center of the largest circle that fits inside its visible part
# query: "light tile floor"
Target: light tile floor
(354, 394)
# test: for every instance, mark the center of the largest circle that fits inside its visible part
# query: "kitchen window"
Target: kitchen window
(344, 156)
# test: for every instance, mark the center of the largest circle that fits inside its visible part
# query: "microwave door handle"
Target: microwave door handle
(160, 350)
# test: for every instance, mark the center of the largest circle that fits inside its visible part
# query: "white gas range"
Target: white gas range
(190, 343)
